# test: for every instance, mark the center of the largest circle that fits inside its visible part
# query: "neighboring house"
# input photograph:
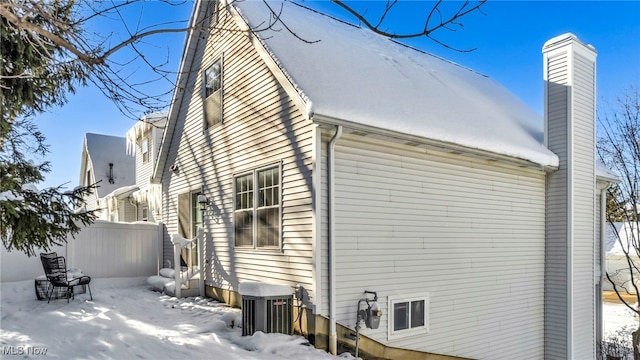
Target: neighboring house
(356, 163)
(143, 142)
(622, 240)
(122, 168)
(106, 164)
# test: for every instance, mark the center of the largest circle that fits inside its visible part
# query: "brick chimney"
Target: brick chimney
(569, 77)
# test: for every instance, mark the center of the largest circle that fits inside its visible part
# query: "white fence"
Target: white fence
(102, 250)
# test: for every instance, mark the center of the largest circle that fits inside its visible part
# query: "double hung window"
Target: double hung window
(257, 208)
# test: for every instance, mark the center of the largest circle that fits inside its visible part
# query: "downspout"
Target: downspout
(603, 260)
(135, 205)
(333, 336)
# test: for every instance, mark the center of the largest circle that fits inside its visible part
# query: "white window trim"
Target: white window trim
(397, 334)
(254, 173)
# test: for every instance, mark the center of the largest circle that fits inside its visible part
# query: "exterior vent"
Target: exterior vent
(266, 308)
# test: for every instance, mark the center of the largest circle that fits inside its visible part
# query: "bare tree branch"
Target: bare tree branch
(619, 149)
(114, 77)
(428, 28)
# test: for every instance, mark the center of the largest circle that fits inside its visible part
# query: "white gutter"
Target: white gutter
(333, 336)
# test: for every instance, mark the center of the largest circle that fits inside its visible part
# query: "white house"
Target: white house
(122, 167)
(355, 163)
(105, 164)
(143, 143)
(621, 244)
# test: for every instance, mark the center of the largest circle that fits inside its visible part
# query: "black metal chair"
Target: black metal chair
(55, 268)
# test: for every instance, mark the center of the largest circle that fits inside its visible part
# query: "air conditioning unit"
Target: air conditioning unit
(267, 308)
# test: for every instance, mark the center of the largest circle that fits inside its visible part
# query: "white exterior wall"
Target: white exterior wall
(469, 232)
(126, 211)
(144, 172)
(262, 126)
(86, 166)
(569, 74)
(556, 295)
(584, 206)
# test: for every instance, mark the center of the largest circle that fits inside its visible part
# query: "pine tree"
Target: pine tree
(34, 76)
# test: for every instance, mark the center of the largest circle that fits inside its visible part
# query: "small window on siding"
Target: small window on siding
(215, 17)
(213, 94)
(257, 208)
(408, 315)
(144, 149)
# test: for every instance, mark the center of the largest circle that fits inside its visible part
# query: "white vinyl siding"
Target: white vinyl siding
(126, 211)
(556, 310)
(144, 169)
(467, 231)
(262, 126)
(584, 226)
(91, 199)
(570, 303)
(144, 150)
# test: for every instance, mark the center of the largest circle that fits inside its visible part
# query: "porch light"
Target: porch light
(208, 207)
(203, 201)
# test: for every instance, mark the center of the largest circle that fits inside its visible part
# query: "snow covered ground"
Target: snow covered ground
(618, 318)
(126, 320)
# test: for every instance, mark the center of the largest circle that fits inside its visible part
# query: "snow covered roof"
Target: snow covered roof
(103, 150)
(352, 74)
(123, 192)
(250, 288)
(621, 237)
(604, 173)
(146, 123)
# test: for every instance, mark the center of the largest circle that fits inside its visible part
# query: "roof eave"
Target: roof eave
(191, 44)
(372, 132)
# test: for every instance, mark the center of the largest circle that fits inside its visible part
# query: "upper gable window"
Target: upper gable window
(215, 17)
(144, 149)
(213, 94)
